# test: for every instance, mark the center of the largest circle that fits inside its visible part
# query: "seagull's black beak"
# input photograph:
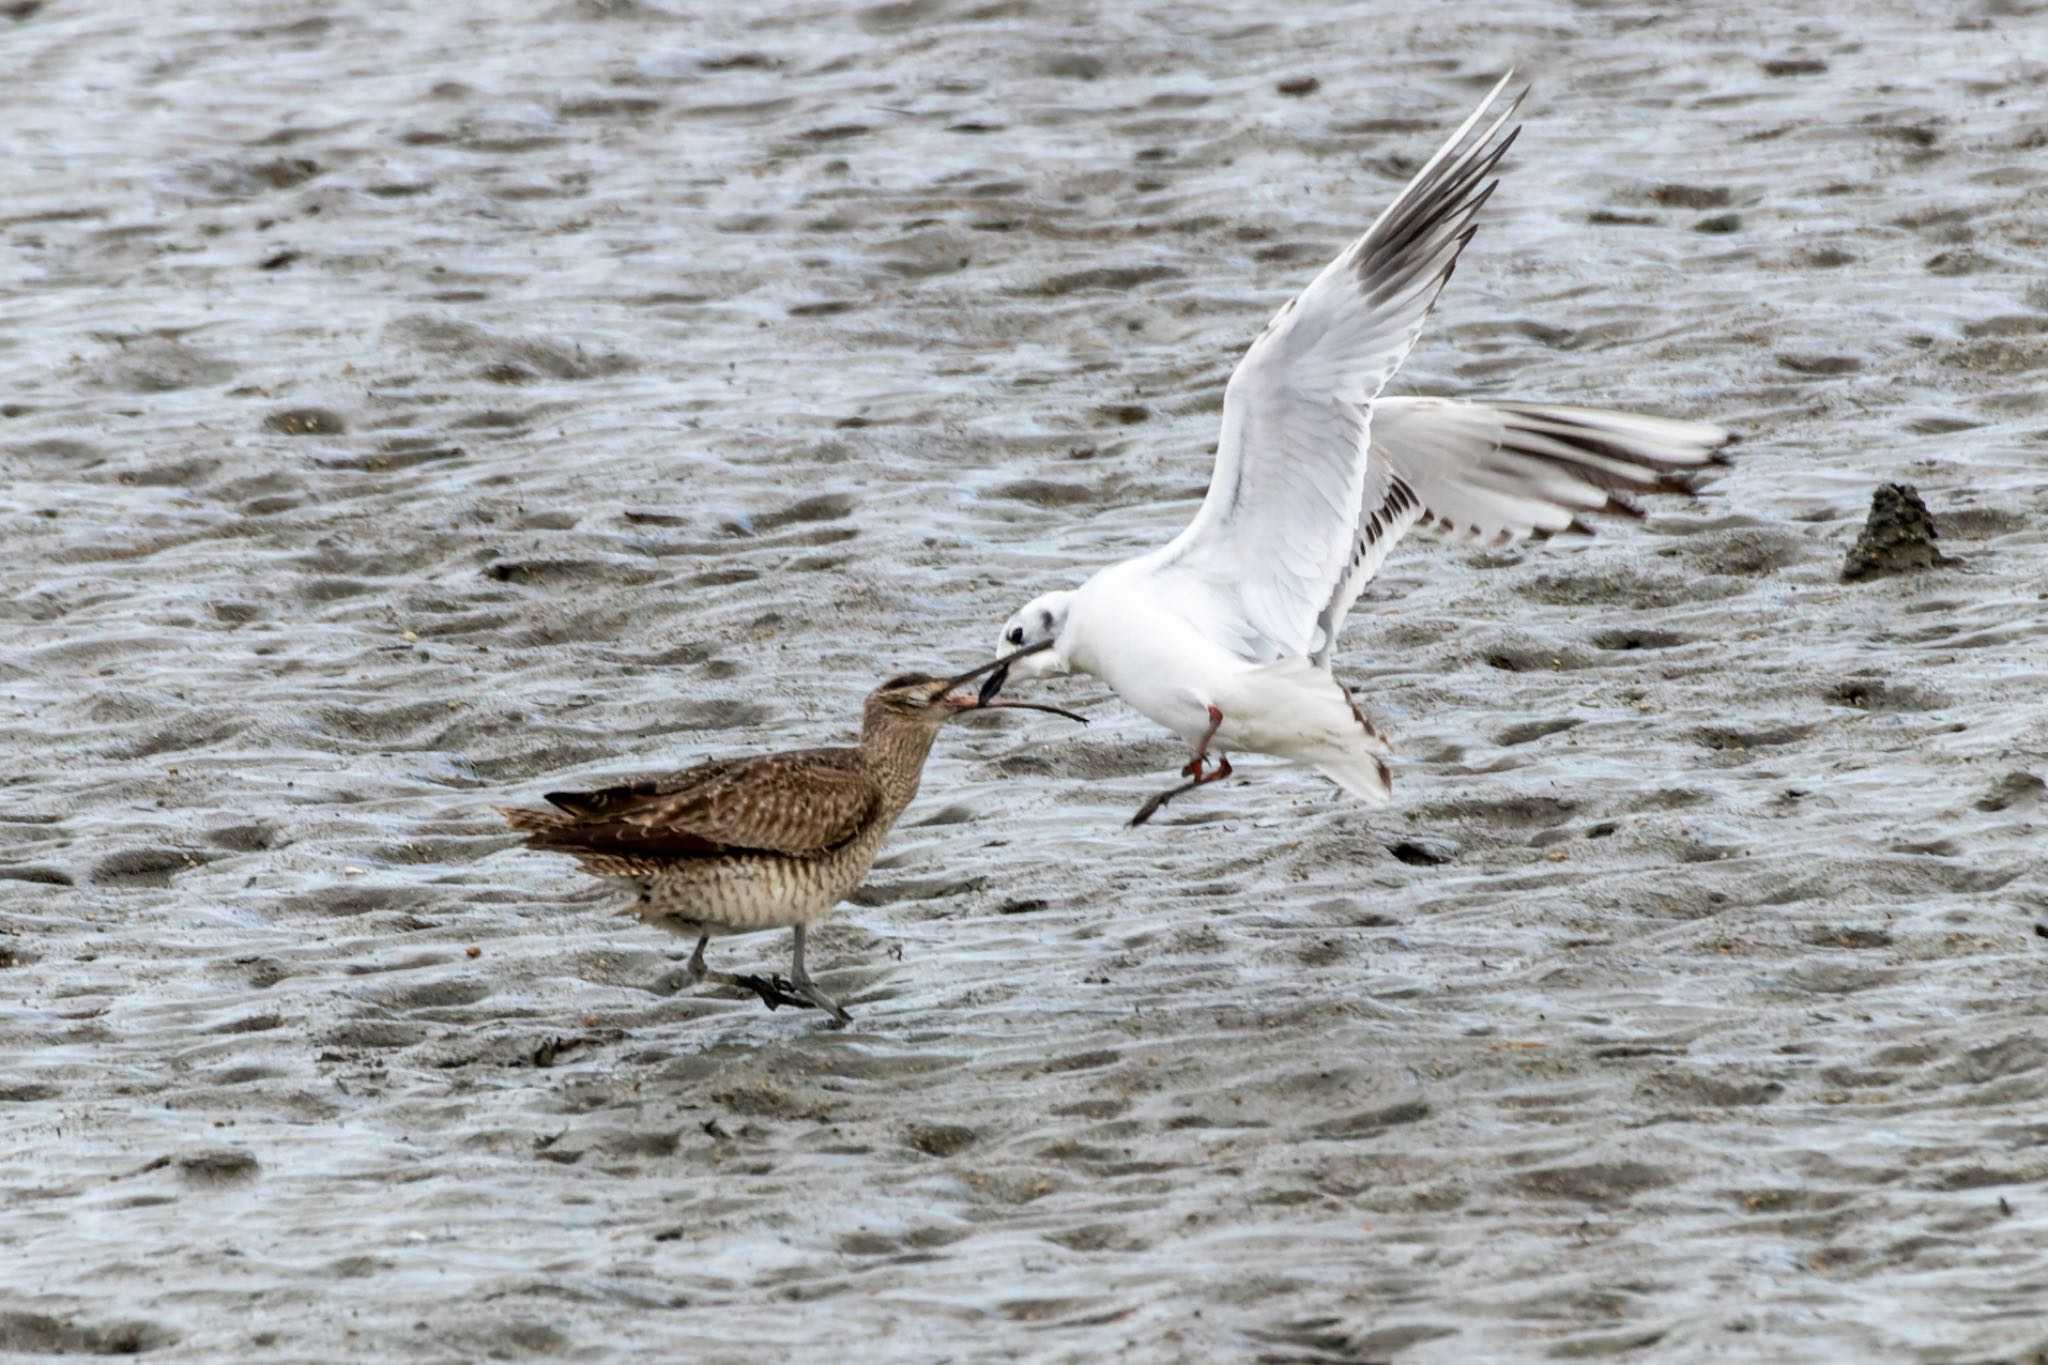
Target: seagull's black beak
(998, 672)
(999, 667)
(994, 684)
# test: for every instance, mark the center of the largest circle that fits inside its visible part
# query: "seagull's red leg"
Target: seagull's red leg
(1193, 771)
(1194, 767)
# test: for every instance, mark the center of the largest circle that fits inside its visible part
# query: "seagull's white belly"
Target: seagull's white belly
(1165, 667)
(1169, 671)
(1156, 661)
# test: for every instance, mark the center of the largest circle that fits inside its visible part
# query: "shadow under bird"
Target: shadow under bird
(768, 842)
(1223, 635)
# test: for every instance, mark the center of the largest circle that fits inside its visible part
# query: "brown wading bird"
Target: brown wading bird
(770, 842)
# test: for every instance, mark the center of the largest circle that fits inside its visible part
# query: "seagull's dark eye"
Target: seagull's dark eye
(1016, 635)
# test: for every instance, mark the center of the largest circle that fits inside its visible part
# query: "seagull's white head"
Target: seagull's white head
(1042, 619)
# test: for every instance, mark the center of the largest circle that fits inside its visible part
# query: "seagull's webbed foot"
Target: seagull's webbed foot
(1193, 771)
(1151, 807)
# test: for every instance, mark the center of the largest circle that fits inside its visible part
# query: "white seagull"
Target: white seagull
(1223, 635)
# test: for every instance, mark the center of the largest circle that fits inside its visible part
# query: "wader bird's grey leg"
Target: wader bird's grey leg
(807, 988)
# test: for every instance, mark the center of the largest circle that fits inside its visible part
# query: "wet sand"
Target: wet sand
(416, 408)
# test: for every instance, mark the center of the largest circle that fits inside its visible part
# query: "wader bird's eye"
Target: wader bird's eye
(1016, 635)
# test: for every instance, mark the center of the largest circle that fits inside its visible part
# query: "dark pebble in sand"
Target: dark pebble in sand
(819, 507)
(1793, 66)
(1424, 852)
(305, 422)
(1112, 278)
(1720, 222)
(284, 172)
(2013, 789)
(1073, 66)
(837, 132)
(1963, 262)
(1297, 86)
(218, 1165)
(143, 866)
(1826, 258)
(1897, 537)
(155, 365)
(740, 61)
(41, 1334)
(37, 875)
(1692, 196)
(1914, 134)
(941, 1139)
(1819, 364)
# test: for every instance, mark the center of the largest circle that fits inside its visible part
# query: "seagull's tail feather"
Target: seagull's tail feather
(1356, 766)
(1311, 718)
(1365, 775)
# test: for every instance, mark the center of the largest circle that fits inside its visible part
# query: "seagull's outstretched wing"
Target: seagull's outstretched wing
(1493, 473)
(1287, 504)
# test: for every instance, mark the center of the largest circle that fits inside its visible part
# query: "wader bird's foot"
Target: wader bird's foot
(775, 991)
(819, 1000)
(1151, 808)
(692, 973)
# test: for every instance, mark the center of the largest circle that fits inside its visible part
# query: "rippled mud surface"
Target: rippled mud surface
(413, 407)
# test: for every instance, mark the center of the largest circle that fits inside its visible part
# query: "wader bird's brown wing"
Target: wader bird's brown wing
(797, 804)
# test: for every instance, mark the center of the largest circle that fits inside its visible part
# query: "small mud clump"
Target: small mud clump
(1897, 537)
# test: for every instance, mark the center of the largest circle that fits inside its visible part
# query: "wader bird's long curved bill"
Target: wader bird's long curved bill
(998, 673)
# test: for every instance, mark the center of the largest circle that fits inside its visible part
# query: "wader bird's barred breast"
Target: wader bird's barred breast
(1224, 635)
(769, 842)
